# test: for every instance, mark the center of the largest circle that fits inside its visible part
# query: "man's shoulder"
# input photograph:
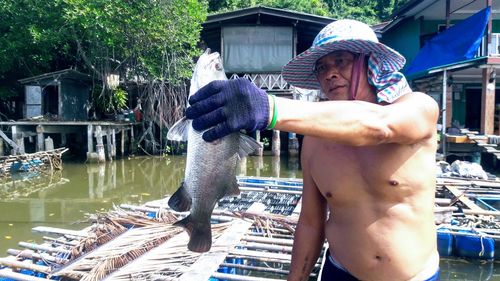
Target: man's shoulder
(418, 98)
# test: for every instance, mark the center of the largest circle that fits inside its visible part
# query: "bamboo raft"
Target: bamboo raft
(32, 162)
(252, 237)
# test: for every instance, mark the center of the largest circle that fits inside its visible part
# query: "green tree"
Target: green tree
(33, 40)
(316, 7)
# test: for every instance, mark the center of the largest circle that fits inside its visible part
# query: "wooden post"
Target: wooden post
(488, 101)
(122, 144)
(99, 146)
(276, 148)
(17, 137)
(113, 143)
(63, 140)
(109, 144)
(90, 140)
(258, 151)
(258, 165)
(293, 145)
(243, 166)
(39, 138)
(133, 146)
(276, 166)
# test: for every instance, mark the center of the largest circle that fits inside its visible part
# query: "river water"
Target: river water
(62, 198)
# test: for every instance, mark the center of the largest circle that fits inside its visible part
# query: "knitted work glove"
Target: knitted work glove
(227, 106)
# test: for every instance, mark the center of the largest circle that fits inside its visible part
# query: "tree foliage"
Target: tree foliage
(316, 7)
(146, 39)
(368, 11)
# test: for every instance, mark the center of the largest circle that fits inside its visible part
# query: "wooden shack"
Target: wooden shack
(255, 43)
(60, 95)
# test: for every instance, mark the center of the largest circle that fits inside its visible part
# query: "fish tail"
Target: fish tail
(200, 234)
(180, 200)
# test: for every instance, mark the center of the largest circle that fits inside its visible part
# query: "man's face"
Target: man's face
(334, 74)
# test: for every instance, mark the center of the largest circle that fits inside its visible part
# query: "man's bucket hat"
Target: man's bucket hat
(384, 63)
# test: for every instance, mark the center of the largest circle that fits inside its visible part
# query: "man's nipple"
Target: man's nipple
(393, 182)
(328, 194)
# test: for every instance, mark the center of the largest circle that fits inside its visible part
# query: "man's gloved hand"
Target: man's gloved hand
(228, 106)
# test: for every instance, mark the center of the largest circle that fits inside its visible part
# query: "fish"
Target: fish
(211, 167)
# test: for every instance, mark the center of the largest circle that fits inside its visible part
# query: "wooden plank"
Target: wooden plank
(482, 144)
(9, 141)
(209, 262)
(466, 201)
(59, 231)
(148, 263)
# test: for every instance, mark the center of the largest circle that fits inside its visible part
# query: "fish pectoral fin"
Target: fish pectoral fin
(233, 189)
(247, 145)
(180, 200)
(179, 131)
(200, 234)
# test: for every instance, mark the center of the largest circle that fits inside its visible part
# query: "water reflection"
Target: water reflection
(465, 270)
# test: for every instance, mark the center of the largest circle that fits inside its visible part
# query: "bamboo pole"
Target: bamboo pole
(244, 188)
(258, 254)
(233, 277)
(481, 212)
(60, 231)
(29, 254)
(286, 242)
(8, 273)
(266, 247)
(255, 268)
(458, 233)
(61, 242)
(17, 264)
(37, 247)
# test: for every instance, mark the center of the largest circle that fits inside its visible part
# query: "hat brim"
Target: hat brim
(299, 72)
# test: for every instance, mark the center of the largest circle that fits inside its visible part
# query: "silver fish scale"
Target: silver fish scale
(210, 170)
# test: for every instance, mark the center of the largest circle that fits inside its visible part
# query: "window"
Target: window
(256, 49)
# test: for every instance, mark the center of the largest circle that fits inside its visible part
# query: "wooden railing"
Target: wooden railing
(493, 48)
(270, 81)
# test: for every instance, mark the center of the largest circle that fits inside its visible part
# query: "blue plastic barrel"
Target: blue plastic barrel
(445, 244)
(475, 247)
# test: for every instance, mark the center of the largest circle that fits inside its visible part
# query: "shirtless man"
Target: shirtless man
(368, 156)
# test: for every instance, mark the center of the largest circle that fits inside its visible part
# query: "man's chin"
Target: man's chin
(338, 94)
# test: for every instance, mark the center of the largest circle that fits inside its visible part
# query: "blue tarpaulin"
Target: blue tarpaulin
(458, 43)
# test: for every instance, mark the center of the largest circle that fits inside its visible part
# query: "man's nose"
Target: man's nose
(332, 72)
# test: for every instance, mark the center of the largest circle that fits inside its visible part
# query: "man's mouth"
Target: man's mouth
(335, 88)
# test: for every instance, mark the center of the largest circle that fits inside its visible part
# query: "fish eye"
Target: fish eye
(218, 66)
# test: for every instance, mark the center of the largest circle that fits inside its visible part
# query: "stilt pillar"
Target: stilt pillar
(39, 138)
(276, 148)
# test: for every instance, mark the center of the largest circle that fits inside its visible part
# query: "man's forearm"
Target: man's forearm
(306, 249)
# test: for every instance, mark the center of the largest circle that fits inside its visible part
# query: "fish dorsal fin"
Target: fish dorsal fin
(247, 145)
(179, 131)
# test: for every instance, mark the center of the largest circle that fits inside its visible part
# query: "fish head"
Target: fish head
(208, 68)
